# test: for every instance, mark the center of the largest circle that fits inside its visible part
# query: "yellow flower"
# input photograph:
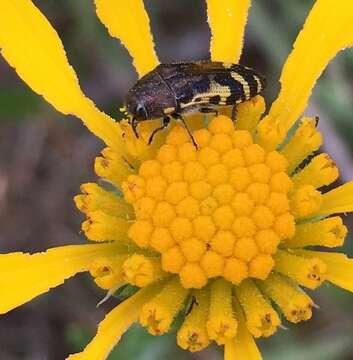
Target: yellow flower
(217, 234)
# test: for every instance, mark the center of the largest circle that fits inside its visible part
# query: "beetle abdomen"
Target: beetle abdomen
(212, 83)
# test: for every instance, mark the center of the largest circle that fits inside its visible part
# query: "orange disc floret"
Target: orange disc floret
(241, 139)
(144, 207)
(176, 192)
(240, 178)
(163, 214)
(233, 158)
(173, 171)
(245, 249)
(200, 189)
(263, 217)
(204, 228)
(221, 125)
(223, 243)
(261, 266)
(208, 206)
(167, 154)
(178, 136)
(140, 231)
(281, 182)
(254, 154)
(242, 204)
(156, 187)
(223, 193)
(216, 210)
(193, 276)
(278, 203)
(223, 217)
(217, 174)
(133, 188)
(260, 173)
(244, 226)
(258, 192)
(276, 162)
(188, 207)
(212, 263)
(235, 270)
(150, 168)
(202, 137)
(193, 249)
(173, 259)
(181, 229)
(161, 240)
(221, 143)
(267, 241)
(194, 171)
(187, 152)
(208, 156)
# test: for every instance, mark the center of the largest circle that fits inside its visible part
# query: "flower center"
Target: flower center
(219, 210)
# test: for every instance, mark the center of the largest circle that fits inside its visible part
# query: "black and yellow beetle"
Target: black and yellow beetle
(171, 90)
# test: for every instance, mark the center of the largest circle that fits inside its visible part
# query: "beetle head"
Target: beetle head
(136, 107)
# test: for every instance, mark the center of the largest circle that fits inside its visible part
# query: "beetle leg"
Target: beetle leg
(234, 112)
(134, 124)
(166, 121)
(179, 117)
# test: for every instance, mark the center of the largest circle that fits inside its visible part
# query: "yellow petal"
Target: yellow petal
(104, 227)
(192, 335)
(295, 305)
(115, 324)
(249, 114)
(337, 200)
(243, 347)
(129, 22)
(305, 202)
(329, 232)
(339, 267)
(141, 271)
(227, 20)
(95, 198)
(158, 314)
(321, 171)
(310, 273)
(221, 324)
(139, 147)
(303, 143)
(261, 318)
(25, 276)
(30, 44)
(107, 271)
(327, 30)
(112, 167)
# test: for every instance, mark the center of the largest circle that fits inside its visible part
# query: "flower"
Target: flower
(218, 234)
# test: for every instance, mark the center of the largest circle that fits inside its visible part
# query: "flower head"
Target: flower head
(217, 233)
(217, 211)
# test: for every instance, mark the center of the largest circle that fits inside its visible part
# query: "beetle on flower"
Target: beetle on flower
(218, 234)
(171, 90)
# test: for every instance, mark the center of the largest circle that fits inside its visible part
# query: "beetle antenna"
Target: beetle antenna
(166, 121)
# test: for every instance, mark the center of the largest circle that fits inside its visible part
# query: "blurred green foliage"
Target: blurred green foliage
(136, 344)
(17, 103)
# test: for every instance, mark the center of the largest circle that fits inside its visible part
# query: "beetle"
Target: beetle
(171, 90)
